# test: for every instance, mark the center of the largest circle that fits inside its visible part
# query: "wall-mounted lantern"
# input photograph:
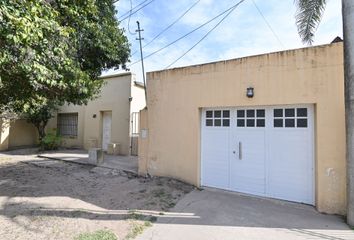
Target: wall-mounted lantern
(250, 92)
(94, 115)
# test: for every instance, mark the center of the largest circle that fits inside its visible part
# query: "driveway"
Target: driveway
(216, 214)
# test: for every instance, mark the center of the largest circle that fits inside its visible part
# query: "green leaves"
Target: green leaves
(308, 17)
(52, 52)
(56, 50)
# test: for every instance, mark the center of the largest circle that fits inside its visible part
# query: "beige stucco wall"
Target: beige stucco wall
(304, 76)
(22, 134)
(114, 97)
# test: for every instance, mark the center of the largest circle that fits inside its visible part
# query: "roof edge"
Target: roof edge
(115, 75)
(249, 56)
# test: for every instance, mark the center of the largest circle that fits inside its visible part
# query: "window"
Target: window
(250, 118)
(217, 118)
(67, 124)
(290, 118)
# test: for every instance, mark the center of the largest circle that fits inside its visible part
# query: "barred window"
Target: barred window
(67, 124)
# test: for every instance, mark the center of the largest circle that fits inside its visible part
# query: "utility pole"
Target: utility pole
(141, 56)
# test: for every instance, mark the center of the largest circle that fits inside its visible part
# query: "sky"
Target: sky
(243, 33)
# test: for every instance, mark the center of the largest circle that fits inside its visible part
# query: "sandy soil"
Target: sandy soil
(49, 199)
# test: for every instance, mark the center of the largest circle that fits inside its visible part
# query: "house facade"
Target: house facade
(110, 120)
(105, 120)
(271, 125)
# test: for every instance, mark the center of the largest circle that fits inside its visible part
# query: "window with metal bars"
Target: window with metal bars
(67, 124)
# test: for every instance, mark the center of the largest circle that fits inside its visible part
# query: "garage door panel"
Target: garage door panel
(289, 166)
(247, 164)
(215, 158)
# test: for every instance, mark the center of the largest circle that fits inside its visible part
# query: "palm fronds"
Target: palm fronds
(308, 17)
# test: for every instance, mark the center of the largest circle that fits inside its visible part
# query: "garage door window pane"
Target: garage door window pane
(217, 122)
(217, 114)
(226, 122)
(250, 122)
(209, 114)
(240, 113)
(250, 113)
(226, 114)
(209, 122)
(289, 122)
(278, 112)
(301, 112)
(290, 112)
(260, 113)
(260, 123)
(240, 122)
(302, 123)
(278, 122)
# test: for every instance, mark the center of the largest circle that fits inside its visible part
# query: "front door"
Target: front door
(106, 129)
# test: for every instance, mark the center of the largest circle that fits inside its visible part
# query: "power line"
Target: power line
(268, 24)
(131, 9)
(169, 26)
(190, 49)
(179, 18)
(136, 10)
(128, 12)
(185, 35)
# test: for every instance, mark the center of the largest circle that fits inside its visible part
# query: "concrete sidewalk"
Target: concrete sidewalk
(125, 163)
(215, 214)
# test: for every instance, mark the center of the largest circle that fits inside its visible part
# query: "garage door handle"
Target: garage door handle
(239, 150)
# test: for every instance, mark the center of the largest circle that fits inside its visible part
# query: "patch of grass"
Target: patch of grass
(98, 235)
(137, 228)
(139, 223)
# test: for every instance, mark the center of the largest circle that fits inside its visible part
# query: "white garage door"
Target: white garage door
(266, 151)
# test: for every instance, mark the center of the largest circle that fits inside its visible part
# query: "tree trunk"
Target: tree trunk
(348, 32)
(41, 130)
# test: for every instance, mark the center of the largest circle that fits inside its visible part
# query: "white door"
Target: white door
(106, 129)
(291, 154)
(266, 151)
(247, 161)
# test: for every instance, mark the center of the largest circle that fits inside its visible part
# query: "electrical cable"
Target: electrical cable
(136, 11)
(169, 26)
(190, 49)
(268, 24)
(128, 12)
(187, 34)
(131, 8)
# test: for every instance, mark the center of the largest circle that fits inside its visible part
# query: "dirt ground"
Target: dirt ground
(50, 199)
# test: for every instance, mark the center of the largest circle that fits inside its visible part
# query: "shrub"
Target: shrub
(51, 141)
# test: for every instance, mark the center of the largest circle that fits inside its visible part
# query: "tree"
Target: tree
(307, 19)
(52, 52)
